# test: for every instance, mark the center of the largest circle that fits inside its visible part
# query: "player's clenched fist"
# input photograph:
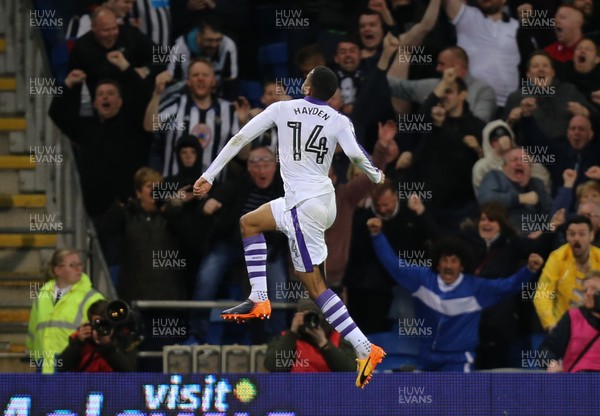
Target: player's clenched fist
(534, 262)
(201, 188)
(374, 225)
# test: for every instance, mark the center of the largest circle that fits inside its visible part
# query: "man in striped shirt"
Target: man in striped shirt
(206, 41)
(191, 108)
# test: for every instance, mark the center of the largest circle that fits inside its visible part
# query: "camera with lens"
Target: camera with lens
(312, 320)
(102, 326)
(123, 322)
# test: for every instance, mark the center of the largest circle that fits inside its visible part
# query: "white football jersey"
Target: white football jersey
(308, 131)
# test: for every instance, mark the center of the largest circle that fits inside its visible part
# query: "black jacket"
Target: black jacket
(88, 55)
(152, 262)
(110, 151)
(443, 161)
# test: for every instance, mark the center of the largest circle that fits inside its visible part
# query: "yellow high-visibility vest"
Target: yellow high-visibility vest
(51, 324)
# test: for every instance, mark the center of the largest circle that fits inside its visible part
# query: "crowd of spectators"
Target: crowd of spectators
(484, 115)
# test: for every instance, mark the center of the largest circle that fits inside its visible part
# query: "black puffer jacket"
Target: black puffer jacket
(152, 262)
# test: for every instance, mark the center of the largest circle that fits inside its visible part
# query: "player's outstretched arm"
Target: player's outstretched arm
(258, 125)
(357, 154)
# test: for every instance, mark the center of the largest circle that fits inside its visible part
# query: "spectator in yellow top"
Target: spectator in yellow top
(559, 287)
(60, 306)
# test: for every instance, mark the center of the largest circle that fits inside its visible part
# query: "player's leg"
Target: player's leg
(335, 312)
(252, 226)
(308, 248)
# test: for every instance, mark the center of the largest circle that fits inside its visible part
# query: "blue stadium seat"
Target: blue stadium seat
(273, 60)
(59, 60)
(400, 351)
(264, 22)
(252, 90)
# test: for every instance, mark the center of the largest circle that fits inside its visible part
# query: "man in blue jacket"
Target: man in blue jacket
(448, 302)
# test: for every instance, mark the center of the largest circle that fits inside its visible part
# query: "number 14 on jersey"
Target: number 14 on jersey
(314, 144)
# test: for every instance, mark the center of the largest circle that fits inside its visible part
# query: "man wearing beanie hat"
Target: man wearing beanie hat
(498, 138)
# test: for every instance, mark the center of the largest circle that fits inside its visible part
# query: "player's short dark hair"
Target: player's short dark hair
(451, 246)
(323, 83)
(579, 219)
(308, 52)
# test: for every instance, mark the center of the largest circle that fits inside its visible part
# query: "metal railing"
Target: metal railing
(200, 304)
(29, 61)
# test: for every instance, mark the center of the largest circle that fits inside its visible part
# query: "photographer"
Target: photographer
(100, 345)
(311, 345)
(573, 344)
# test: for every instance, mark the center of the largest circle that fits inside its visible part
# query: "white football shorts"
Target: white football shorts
(305, 225)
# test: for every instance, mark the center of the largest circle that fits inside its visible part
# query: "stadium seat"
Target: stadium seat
(252, 90)
(235, 359)
(59, 60)
(177, 359)
(264, 21)
(401, 352)
(207, 358)
(273, 60)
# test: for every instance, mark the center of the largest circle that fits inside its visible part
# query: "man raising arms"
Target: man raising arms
(308, 132)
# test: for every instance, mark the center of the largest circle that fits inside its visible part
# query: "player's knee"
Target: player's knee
(246, 227)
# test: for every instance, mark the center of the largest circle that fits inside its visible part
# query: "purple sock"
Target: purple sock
(337, 315)
(255, 254)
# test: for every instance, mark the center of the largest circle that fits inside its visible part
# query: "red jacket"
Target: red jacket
(91, 359)
(309, 359)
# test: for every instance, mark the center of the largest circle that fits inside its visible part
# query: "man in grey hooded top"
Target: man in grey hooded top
(497, 139)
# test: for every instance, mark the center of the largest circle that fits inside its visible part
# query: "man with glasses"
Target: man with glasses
(206, 41)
